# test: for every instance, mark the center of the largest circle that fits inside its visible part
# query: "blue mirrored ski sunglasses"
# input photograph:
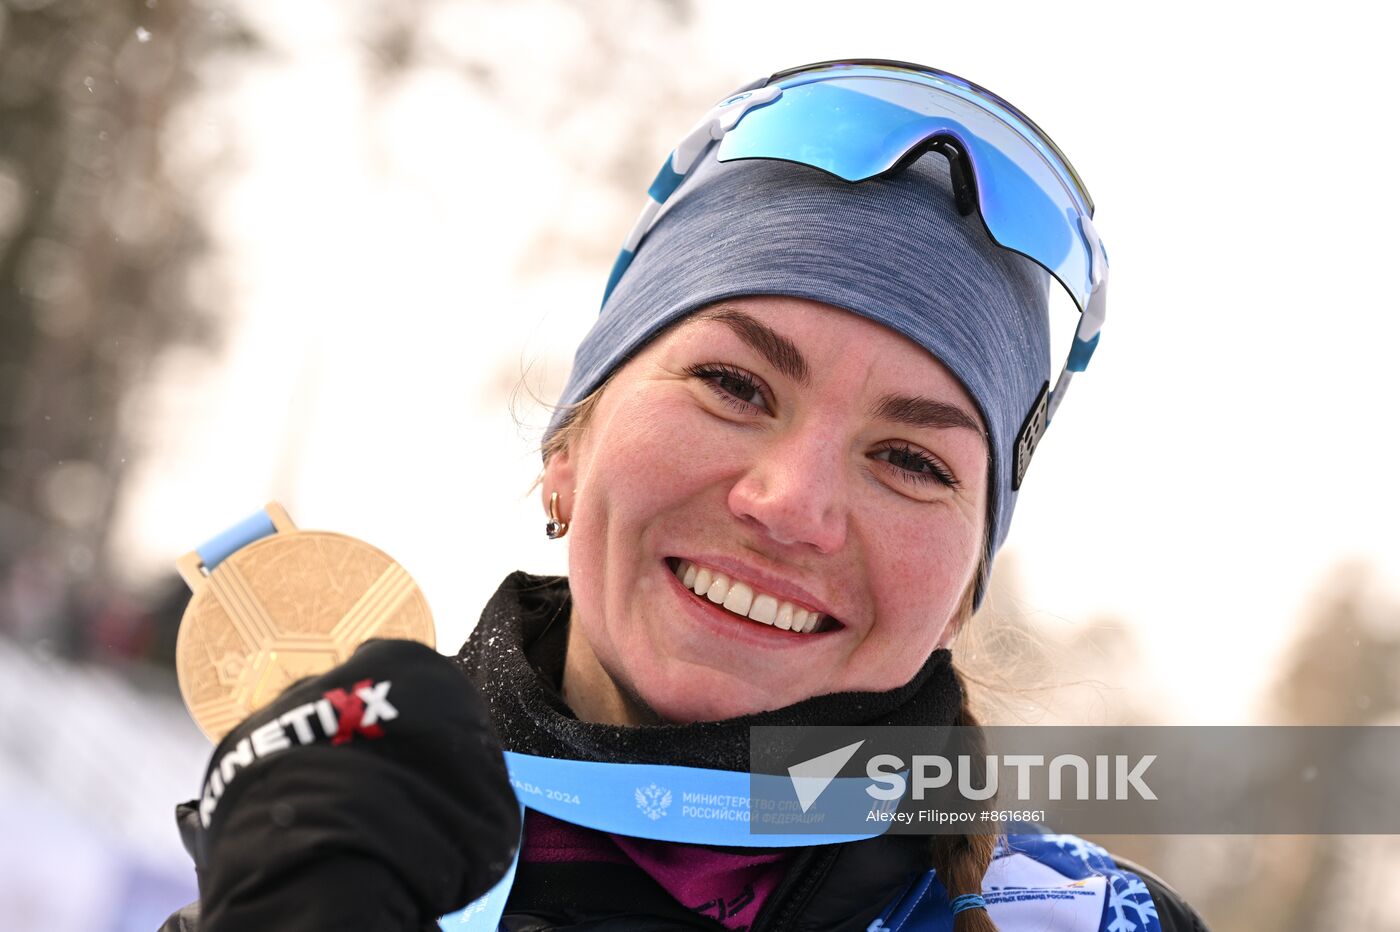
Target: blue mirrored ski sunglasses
(861, 119)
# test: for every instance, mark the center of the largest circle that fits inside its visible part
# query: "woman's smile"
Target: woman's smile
(748, 593)
(729, 627)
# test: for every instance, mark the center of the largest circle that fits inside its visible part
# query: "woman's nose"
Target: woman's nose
(795, 493)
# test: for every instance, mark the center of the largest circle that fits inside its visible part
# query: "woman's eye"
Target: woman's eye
(916, 465)
(733, 386)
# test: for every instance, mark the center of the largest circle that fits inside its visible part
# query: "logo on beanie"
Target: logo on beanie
(1032, 429)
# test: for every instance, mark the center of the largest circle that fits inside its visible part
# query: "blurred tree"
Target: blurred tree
(102, 249)
(1340, 670)
(96, 247)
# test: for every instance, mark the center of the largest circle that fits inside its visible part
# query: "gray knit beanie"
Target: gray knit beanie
(892, 249)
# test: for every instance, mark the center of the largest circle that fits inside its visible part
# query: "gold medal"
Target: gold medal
(288, 605)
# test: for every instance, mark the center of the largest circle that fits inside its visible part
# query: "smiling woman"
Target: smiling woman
(786, 456)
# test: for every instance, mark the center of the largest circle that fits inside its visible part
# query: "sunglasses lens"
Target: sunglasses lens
(857, 126)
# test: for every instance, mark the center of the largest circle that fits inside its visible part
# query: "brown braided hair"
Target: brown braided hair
(961, 861)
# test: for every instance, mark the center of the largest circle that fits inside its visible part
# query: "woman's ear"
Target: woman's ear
(559, 477)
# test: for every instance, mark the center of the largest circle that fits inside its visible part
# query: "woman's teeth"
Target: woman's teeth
(742, 600)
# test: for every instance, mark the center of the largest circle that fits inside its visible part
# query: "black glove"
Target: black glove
(373, 796)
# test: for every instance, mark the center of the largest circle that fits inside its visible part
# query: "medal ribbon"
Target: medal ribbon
(691, 805)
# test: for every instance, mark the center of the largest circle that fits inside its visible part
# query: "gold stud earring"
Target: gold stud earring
(556, 527)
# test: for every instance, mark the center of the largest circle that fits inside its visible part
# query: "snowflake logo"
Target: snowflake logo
(653, 800)
(1078, 847)
(1121, 895)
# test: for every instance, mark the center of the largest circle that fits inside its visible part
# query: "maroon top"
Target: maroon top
(724, 885)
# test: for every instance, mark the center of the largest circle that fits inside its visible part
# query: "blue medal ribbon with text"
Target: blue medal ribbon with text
(692, 805)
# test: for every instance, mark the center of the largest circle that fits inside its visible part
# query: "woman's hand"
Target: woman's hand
(373, 796)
